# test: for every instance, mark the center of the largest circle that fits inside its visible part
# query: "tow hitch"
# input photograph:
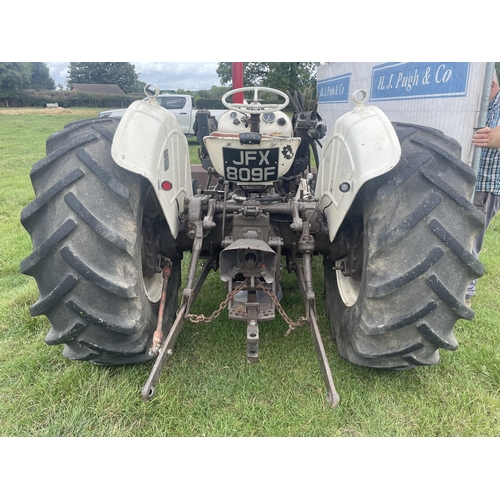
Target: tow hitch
(251, 306)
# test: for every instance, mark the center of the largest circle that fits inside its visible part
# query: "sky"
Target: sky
(166, 75)
(101, 32)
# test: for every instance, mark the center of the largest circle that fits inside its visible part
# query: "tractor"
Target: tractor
(385, 206)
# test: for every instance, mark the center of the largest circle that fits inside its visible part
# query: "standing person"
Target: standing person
(487, 195)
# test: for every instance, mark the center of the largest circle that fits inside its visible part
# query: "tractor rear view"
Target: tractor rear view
(387, 210)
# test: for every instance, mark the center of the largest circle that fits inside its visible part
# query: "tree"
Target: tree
(253, 73)
(14, 75)
(203, 94)
(138, 87)
(291, 75)
(40, 77)
(218, 92)
(283, 76)
(120, 73)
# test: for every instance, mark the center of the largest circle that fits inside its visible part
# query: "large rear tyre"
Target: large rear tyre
(418, 229)
(91, 225)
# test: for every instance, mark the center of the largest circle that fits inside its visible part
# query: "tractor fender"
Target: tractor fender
(150, 142)
(362, 145)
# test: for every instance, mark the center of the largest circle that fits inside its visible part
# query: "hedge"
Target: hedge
(209, 104)
(65, 99)
(68, 99)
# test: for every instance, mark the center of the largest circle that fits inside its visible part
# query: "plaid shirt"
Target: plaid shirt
(488, 177)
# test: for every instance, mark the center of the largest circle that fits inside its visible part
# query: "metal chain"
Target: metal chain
(292, 325)
(201, 318)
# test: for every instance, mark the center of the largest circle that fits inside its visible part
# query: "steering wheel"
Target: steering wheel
(255, 107)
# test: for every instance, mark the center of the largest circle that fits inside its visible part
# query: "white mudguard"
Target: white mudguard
(150, 142)
(361, 146)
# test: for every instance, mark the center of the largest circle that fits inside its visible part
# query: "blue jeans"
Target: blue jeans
(489, 204)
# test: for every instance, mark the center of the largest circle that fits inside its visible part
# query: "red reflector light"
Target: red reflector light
(166, 185)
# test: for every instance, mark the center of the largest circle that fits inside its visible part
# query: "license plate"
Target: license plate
(250, 165)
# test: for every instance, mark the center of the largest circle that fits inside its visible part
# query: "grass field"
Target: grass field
(208, 389)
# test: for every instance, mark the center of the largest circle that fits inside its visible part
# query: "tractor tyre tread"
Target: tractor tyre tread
(419, 227)
(85, 225)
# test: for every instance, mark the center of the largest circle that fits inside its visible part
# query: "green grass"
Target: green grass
(208, 389)
(193, 151)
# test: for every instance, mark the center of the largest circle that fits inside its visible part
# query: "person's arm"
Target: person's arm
(487, 138)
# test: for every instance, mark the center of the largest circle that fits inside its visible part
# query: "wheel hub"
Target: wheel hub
(348, 287)
(350, 268)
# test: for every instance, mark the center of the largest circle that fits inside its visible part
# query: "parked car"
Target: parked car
(180, 105)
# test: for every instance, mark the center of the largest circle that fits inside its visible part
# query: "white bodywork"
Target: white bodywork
(274, 123)
(150, 142)
(361, 146)
(261, 162)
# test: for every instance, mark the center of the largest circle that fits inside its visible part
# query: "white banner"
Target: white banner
(443, 95)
